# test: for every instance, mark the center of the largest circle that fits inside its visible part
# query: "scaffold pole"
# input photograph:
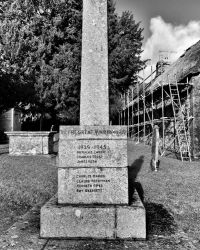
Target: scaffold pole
(138, 106)
(144, 119)
(128, 122)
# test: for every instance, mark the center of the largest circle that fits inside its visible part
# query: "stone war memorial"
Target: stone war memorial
(93, 197)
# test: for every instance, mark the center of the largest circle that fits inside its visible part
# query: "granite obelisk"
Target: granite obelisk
(93, 197)
(94, 108)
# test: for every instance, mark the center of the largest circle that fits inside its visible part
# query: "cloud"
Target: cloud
(168, 37)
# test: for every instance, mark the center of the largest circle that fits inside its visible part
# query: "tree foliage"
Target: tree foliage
(41, 55)
(125, 42)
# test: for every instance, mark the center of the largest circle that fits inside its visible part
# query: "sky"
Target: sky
(169, 25)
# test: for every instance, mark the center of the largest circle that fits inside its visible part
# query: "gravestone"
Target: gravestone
(92, 200)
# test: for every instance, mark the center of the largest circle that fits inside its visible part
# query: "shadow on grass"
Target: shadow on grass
(133, 171)
(159, 221)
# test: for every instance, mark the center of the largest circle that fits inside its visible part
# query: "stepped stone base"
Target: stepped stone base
(92, 221)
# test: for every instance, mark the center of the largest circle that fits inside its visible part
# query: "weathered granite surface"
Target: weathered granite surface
(93, 186)
(97, 222)
(70, 221)
(94, 109)
(93, 146)
(30, 143)
(131, 221)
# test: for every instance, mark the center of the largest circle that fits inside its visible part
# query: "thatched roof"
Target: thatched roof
(187, 65)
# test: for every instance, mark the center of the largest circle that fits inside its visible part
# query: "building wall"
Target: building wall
(195, 111)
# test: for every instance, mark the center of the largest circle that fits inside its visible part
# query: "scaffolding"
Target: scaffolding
(166, 104)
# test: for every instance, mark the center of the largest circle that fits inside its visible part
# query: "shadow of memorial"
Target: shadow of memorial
(133, 171)
(159, 220)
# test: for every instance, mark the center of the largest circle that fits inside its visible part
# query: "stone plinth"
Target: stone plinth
(93, 165)
(93, 186)
(93, 146)
(98, 222)
(30, 143)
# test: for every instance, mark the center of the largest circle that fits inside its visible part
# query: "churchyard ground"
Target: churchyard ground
(24, 182)
(171, 197)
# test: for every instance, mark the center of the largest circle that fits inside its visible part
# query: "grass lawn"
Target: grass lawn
(171, 197)
(24, 182)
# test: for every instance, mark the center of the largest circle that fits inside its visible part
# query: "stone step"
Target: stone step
(90, 221)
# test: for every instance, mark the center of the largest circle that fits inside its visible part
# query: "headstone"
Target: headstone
(93, 185)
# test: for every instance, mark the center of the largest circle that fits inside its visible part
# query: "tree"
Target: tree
(125, 42)
(41, 48)
(13, 90)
